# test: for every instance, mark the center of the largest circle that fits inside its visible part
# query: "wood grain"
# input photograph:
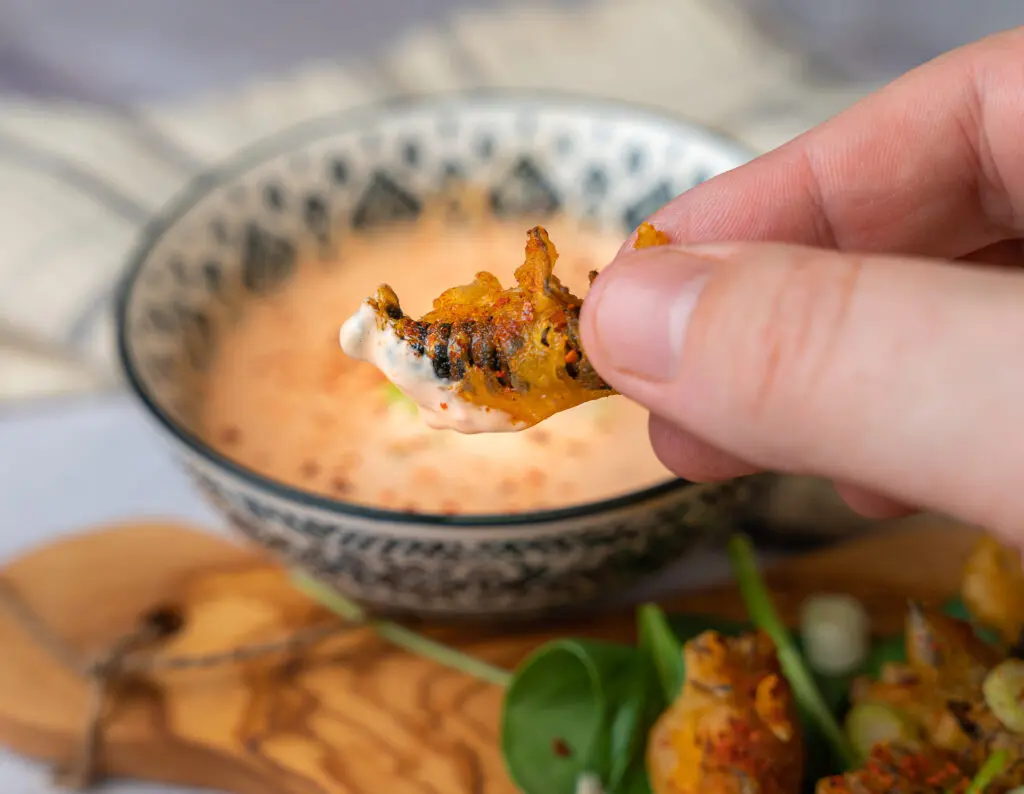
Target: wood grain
(354, 715)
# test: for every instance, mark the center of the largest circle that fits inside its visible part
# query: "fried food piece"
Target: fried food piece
(648, 237)
(485, 358)
(734, 728)
(900, 769)
(940, 696)
(946, 650)
(945, 669)
(993, 588)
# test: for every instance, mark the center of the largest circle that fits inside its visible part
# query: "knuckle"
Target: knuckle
(795, 347)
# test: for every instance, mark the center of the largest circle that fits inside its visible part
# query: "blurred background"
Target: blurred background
(108, 106)
(125, 51)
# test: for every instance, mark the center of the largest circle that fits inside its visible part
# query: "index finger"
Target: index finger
(930, 165)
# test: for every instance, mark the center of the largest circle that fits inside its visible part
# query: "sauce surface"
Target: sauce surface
(282, 399)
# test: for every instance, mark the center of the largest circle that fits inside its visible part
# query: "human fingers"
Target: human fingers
(1006, 253)
(929, 165)
(690, 457)
(694, 459)
(871, 504)
(897, 375)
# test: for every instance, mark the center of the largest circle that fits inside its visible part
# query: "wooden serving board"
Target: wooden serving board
(354, 715)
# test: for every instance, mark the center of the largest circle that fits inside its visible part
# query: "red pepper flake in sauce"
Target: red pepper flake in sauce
(444, 406)
(230, 436)
(539, 437)
(560, 747)
(575, 448)
(534, 478)
(426, 475)
(324, 419)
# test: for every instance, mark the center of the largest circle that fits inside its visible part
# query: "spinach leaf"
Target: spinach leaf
(635, 703)
(687, 626)
(801, 679)
(579, 706)
(560, 709)
(891, 649)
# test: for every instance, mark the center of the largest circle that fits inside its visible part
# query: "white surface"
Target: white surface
(65, 465)
(71, 462)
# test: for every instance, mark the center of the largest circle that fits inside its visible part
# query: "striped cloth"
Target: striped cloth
(77, 181)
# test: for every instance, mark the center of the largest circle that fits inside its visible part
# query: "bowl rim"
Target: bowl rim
(290, 138)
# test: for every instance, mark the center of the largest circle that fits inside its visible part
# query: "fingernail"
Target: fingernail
(643, 310)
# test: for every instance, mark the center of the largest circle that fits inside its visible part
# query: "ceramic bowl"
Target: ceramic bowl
(278, 205)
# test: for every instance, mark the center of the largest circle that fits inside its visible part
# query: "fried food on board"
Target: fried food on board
(928, 724)
(993, 588)
(733, 723)
(487, 359)
(899, 769)
(954, 702)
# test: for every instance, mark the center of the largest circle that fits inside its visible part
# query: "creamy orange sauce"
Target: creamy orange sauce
(282, 399)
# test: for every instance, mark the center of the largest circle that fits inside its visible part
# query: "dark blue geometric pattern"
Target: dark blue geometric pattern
(249, 229)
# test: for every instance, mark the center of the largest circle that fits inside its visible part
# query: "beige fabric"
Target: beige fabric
(77, 182)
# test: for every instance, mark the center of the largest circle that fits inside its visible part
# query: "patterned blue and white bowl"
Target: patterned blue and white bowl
(252, 222)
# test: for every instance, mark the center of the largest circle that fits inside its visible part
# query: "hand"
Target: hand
(827, 343)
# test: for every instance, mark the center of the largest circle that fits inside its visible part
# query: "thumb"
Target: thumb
(903, 376)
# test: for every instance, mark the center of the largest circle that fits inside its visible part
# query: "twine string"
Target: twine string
(133, 653)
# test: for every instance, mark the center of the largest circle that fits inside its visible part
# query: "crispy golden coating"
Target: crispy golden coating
(514, 350)
(900, 769)
(934, 690)
(939, 692)
(734, 728)
(993, 588)
(648, 237)
(930, 722)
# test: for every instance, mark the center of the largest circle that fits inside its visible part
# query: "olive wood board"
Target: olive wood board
(321, 721)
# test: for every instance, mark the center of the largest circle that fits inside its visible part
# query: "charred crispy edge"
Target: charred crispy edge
(455, 348)
(452, 348)
(438, 338)
(961, 712)
(1016, 650)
